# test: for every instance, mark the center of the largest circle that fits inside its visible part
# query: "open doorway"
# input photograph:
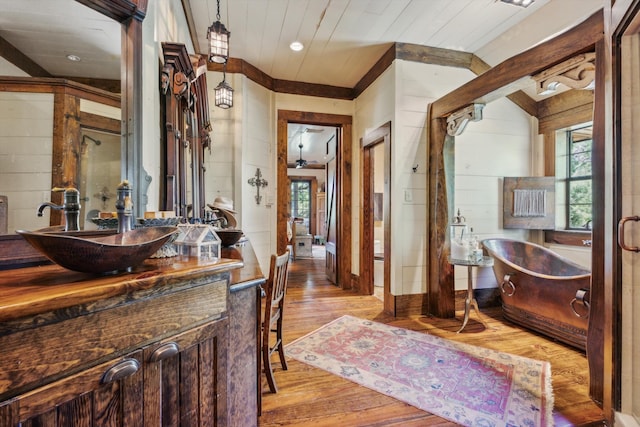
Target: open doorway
(337, 185)
(310, 149)
(375, 232)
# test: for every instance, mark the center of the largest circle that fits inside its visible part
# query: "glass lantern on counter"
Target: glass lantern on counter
(459, 236)
(198, 240)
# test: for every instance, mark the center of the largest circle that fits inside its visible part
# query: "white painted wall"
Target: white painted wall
(373, 108)
(26, 141)
(402, 94)
(258, 152)
(551, 19)
(8, 69)
(26, 150)
(220, 161)
(417, 85)
(501, 144)
(285, 101)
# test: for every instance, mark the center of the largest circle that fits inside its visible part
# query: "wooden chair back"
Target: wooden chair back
(276, 287)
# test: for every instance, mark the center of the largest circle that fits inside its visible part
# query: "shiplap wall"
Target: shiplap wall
(416, 86)
(8, 69)
(402, 94)
(497, 146)
(373, 108)
(26, 135)
(258, 151)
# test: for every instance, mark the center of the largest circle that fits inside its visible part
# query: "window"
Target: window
(301, 199)
(574, 174)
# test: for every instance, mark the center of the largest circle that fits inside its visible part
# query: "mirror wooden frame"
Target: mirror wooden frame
(187, 125)
(14, 250)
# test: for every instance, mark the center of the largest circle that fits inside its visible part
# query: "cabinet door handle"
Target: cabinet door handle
(165, 351)
(120, 370)
(621, 233)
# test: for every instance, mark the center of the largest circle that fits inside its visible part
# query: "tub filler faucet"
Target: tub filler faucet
(70, 207)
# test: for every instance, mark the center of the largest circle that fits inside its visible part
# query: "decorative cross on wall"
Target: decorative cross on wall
(258, 182)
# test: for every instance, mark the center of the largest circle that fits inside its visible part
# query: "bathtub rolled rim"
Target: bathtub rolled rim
(531, 272)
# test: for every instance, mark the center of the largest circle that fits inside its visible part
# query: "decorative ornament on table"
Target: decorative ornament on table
(226, 229)
(223, 208)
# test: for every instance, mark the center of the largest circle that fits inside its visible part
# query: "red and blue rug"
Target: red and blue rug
(469, 385)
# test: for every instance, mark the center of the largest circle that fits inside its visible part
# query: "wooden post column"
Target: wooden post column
(440, 287)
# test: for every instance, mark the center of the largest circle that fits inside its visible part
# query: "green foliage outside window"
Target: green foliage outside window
(300, 199)
(579, 190)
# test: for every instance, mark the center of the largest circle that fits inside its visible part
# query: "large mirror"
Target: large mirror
(42, 38)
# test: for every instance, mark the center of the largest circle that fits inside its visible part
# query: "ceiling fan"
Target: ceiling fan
(300, 163)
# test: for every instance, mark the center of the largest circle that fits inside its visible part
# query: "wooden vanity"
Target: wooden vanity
(173, 342)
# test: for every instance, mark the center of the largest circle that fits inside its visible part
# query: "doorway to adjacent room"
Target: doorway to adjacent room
(337, 172)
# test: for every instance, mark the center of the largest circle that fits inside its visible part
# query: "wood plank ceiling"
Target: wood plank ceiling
(343, 38)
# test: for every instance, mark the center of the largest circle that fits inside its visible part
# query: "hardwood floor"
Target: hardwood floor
(308, 396)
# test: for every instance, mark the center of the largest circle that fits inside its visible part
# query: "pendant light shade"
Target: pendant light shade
(218, 36)
(224, 93)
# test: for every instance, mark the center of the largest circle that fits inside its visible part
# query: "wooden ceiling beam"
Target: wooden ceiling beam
(499, 81)
(309, 166)
(20, 60)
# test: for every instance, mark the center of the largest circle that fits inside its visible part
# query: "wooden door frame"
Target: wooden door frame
(343, 184)
(381, 135)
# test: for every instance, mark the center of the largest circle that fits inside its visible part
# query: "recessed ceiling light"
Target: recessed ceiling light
(296, 46)
(74, 58)
(523, 3)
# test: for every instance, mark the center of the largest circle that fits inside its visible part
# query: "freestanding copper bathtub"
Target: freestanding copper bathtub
(542, 290)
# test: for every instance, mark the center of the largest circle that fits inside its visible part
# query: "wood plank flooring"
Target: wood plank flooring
(308, 396)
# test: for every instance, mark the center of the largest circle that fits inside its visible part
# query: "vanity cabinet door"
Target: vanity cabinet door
(185, 378)
(109, 394)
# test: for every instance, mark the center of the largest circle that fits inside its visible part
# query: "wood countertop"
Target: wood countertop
(250, 274)
(48, 288)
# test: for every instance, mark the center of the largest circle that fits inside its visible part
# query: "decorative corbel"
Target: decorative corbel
(205, 139)
(458, 120)
(578, 72)
(166, 78)
(180, 84)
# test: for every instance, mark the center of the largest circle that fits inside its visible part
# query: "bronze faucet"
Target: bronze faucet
(124, 207)
(70, 207)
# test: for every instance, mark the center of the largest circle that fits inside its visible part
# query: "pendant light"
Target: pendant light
(218, 37)
(224, 92)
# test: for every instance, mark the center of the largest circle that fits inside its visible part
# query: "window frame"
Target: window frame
(295, 202)
(569, 179)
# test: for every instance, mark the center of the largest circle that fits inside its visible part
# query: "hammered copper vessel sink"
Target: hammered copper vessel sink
(115, 252)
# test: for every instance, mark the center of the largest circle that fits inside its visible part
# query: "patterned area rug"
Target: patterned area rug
(469, 385)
